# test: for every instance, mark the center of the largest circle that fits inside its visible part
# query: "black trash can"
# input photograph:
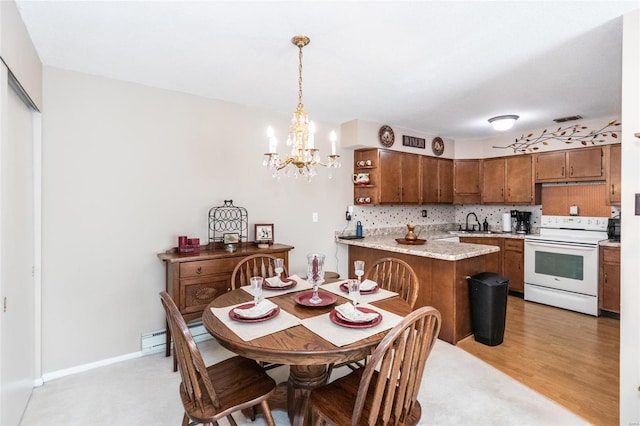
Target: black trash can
(488, 299)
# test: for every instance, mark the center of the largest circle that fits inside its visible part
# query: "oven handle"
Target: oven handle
(555, 245)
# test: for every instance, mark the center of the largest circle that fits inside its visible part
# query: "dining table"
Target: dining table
(308, 338)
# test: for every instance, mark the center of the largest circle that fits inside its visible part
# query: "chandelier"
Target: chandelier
(304, 156)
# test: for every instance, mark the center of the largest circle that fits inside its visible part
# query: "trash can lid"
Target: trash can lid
(489, 278)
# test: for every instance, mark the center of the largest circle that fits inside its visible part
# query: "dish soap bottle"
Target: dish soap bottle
(485, 225)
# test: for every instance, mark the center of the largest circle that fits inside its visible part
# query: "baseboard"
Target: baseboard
(85, 367)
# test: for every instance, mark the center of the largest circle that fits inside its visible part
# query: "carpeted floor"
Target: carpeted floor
(458, 389)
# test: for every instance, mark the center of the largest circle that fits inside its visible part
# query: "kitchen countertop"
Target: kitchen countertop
(610, 243)
(444, 250)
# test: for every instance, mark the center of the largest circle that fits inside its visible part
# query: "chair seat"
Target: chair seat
(337, 400)
(240, 382)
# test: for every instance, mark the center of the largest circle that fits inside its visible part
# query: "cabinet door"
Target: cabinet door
(493, 178)
(445, 181)
(609, 279)
(493, 261)
(466, 181)
(513, 264)
(585, 163)
(550, 166)
(519, 179)
(614, 176)
(429, 179)
(390, 177)
(410, 190)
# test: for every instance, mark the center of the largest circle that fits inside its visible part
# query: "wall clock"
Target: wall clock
(437, 145)
(386, 136)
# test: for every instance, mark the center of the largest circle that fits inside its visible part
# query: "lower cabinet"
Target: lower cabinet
(508, 262)
(609, 279)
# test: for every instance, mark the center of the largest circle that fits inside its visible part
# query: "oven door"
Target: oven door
(562, 266)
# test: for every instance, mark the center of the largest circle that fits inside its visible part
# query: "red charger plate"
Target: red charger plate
(327, 299)
(292, 283)
(271, 314)
(336, 319)
(344, 288)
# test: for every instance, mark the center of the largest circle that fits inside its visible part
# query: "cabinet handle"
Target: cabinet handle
(613, 191)
(562, 171)
(199, 270)
(606, 278)
(571, 172)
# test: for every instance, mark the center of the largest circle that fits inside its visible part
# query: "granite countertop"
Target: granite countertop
(610, 243)
(444, 250)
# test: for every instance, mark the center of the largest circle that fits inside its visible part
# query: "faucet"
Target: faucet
(466, 223)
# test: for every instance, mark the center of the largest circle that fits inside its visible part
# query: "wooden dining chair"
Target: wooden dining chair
(211, 393)
(395, 275)
(257, 265)
(385, 392)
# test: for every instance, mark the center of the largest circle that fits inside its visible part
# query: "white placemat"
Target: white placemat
(252, 330)
(302, 285)
(364, 298)
(340, 336)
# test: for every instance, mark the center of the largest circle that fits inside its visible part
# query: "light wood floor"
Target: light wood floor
(569, 357)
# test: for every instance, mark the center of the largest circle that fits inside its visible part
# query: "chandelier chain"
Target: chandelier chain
(300, 106)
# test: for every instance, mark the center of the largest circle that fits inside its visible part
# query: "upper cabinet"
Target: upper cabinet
(386, 177)
(614, 177)
(399, 178)
(467, 175)
(509, 180)
(437, 180)
(570, 165)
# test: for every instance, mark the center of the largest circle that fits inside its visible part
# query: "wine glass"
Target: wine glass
(354, 292)
(279, 267)
(359, 269)
(256, 289)
(315, 275)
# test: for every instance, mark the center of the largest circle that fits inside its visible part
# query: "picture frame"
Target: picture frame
(264, 233)
(231, 238)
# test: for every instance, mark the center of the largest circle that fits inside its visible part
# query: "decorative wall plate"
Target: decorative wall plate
(386, 136)
(437, 145)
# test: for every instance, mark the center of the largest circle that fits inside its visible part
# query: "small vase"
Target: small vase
(411, 236)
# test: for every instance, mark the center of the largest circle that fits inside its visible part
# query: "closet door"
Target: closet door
(17, 294)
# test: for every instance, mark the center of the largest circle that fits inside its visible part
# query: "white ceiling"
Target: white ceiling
(441, 67)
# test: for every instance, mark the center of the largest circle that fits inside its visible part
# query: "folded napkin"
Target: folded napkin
(350, 313)
(277, 282)
(261, 309)
(368, 285)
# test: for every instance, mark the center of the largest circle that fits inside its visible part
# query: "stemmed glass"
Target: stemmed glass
(256, 289)
(359, 269)
(279, 267)
(315, 275)
(354, 293)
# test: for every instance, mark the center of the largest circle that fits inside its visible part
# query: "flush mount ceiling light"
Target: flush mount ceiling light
(503, 122)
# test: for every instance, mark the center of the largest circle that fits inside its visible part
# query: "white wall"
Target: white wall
(128, 168)
(630, 251)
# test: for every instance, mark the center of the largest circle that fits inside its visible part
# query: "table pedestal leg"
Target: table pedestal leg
(302, 380)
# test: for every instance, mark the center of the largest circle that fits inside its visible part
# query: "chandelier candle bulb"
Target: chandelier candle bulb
(332, 137)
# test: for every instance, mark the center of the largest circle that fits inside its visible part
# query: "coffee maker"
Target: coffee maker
(522, 221)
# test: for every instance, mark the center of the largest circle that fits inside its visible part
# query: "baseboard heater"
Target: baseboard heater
(156, 341)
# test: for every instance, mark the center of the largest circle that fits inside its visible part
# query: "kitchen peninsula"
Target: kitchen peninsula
(442, 268)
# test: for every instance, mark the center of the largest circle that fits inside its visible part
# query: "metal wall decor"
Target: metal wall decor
(413, 141)
(227, 219)
(567, 135)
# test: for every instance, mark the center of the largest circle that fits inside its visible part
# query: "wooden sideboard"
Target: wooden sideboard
(194, 280)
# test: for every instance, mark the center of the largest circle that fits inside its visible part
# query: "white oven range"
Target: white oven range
(561, 263)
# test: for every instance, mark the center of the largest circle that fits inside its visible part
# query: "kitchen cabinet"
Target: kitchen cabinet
(509, 180)
(467, 175)
(436, 180)
(394, 177)
(513, 263)
(193, 281)
(570, 165)
(609, 279)
(614, 176)
(493, 261)
(399, 178)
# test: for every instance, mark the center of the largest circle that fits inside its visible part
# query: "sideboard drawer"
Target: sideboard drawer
(197, 293)
(208, 267)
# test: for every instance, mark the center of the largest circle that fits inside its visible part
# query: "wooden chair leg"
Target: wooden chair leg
(267, 413)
